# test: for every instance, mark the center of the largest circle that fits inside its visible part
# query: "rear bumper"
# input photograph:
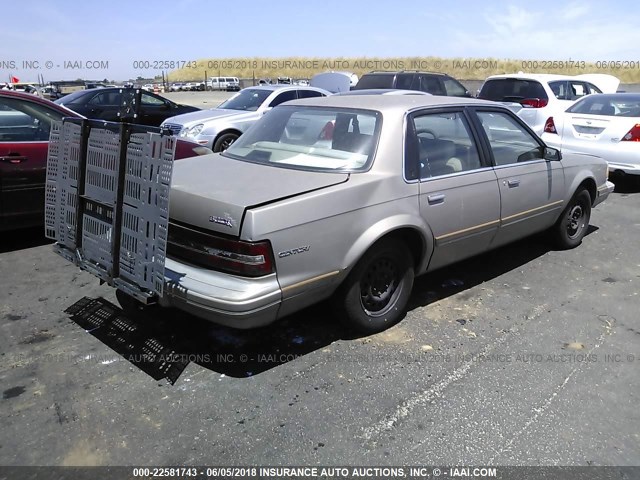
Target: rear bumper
(221, 298)
(603, 192)
(628, 168)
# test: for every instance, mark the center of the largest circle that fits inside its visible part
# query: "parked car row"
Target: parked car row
(187, 87)
(25, 124)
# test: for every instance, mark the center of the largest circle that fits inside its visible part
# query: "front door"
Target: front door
(531, 188)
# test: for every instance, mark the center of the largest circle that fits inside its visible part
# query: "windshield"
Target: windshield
(248, 99)
(311, 138)
(608, 105)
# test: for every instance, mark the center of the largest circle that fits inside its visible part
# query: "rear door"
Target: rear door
(105, 105)
(459, 196)
(24, 141)
(531, 188)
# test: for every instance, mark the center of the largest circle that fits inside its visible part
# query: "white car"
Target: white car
(148, 87)
(605, 125)
(534, 97)
(218, 128)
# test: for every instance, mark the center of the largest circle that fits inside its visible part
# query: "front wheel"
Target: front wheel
(224, 141)
(375, 294)
(572, 225)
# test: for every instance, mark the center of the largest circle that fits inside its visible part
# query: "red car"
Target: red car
(25, 123)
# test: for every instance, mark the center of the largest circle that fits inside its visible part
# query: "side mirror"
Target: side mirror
(267, 109)
(552, 154)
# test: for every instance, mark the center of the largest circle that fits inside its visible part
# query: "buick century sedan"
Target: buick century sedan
(351, 197)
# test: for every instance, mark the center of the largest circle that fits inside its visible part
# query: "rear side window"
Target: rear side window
(454, 88)
(430, 84)
(512, 90)
(375, 80)
(309, 94)
(439, 144)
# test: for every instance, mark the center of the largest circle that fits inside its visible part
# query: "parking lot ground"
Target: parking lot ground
(525, 355)
(199, 99)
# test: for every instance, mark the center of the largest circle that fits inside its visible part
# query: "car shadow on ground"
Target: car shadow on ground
(14, 240)
(162, 342)
(626, 183)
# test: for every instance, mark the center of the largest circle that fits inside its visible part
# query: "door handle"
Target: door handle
(513, 183)
(13, 158)
(435, 198)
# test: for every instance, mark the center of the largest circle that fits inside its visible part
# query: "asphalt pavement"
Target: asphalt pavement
(523, 356)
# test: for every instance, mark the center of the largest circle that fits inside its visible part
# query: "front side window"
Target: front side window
(440, 144)
(283, 97)
(510, 142)
(22, 121)
(319, 139)
(577, 90)
(151, 101)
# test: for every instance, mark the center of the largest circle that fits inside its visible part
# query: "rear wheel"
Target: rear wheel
(224, 141)
(572, 225)
(375, 294)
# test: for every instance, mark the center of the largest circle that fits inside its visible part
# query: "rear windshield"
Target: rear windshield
(375, 80)
(308, 138)
(512, 90)
(608, 105)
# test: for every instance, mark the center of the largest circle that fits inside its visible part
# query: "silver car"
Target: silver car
(218, 128)
(351, 197)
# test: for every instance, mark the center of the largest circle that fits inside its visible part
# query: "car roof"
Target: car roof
(283, 86)
(390, 103)
(544, 77)
(383, 91)
(396, 72)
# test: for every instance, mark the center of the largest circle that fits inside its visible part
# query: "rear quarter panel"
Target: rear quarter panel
(580, 168)
(332, 228)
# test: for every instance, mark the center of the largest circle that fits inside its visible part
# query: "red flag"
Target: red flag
(15, 79)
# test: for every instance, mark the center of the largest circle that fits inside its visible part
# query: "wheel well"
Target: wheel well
(413, 240)
(590, 185)
(224, 132)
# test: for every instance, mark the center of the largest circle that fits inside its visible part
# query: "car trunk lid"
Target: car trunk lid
(212, 192)
(597, 127)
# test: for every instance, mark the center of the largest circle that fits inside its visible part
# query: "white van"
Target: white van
(230, 84)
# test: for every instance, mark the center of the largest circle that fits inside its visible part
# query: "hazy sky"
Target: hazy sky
(122, 32)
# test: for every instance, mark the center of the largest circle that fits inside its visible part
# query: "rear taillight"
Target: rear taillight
(633, 135)
(534, 102)
(249, 259)
(550, 126)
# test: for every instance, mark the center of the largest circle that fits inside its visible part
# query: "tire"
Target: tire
(224, 141)
(572, 225)
(361, 303)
